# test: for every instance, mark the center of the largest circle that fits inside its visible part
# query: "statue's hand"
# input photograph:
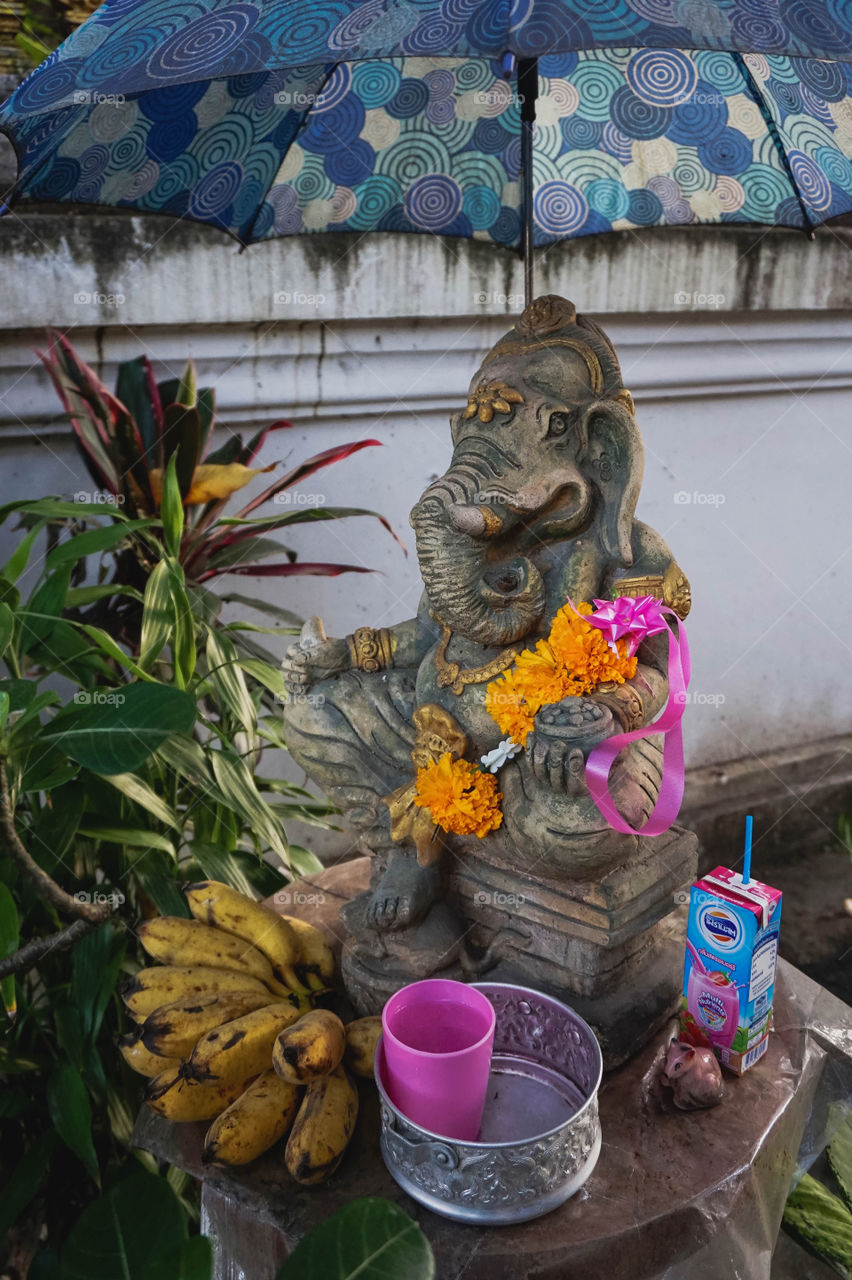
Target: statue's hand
(313, 657)
(564, 734)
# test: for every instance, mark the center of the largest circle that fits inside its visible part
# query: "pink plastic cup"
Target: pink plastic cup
(437, 1043)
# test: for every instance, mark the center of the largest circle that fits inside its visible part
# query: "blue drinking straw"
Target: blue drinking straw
(747, 858)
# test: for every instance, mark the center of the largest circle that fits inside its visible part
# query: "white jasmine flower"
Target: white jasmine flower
(504, 751)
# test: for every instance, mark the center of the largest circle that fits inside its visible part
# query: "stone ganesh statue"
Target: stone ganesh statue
(537, 507)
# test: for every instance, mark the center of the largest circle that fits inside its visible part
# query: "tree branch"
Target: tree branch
(94, 913)
(29, 955)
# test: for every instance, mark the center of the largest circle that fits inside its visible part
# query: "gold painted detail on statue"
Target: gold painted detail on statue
(436, 732)
(672, 587)
(452, 675)
(371, 649)
(493, 523)
(624, 701)
(490, 398)
(546, 314)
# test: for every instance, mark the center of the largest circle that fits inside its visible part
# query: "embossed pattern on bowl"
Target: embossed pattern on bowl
(540, 1137)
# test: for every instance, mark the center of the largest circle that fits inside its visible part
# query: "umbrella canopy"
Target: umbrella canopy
(270, 119)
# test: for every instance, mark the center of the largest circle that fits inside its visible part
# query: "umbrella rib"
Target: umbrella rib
(528, 92)
(776, 138)
(246, 241)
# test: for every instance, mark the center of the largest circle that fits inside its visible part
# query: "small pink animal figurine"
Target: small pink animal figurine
(693, 1075)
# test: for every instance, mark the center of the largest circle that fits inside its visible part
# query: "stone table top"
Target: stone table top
(680, 1195)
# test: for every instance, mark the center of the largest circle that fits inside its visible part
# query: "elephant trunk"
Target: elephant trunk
(492, 602)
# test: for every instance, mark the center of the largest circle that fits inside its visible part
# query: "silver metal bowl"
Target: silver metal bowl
(540, 1137)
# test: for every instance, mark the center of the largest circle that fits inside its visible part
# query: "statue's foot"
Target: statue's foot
(403, 896)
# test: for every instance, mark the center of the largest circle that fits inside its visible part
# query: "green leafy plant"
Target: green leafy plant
(137, 1231)
(128, 440)
(818, 1218)
(133, 727)
(372, 1239)
(141, 773)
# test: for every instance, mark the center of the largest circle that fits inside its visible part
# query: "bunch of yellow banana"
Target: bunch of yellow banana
(226, 1032)
(232, 959)
(362, 1036)
(299, 955)
(306, 1052)
(309, 1093)
(312, 1051)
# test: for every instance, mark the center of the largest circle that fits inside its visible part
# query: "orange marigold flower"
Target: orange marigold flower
(540, 677)
(505, 703)
(460, 797)
(585, 652)
(572, 661)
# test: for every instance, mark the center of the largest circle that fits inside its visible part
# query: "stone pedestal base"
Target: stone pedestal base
(611, 947)
(375, 966)
(626, 1018)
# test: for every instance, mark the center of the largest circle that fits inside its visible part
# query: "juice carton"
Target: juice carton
(729, 974)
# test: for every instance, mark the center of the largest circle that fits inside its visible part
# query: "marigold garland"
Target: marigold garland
(506, 704)
(460, 797)
(573, 660)
(540, 676)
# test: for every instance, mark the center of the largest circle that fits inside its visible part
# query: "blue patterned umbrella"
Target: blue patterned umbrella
(273, 118)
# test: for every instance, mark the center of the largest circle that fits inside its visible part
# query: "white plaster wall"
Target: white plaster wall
(744, 404)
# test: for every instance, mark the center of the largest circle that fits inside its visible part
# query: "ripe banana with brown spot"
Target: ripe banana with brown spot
(240, 1048)
(309, 1048)
(150, 989)
(323, 1127)
(252, 1124)
(171, 1095)
(176, 941)
(224, 908)
(362, 1036)
(315, 966)
(140, 1059)
(174, 1030)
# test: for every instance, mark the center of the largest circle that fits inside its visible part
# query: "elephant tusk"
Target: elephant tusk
(476, 522)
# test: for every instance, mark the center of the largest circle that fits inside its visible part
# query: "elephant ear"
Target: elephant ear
(614, 462)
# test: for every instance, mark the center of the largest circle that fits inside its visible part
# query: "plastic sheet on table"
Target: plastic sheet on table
(815, 1030)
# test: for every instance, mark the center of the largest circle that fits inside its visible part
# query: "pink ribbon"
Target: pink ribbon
(635, 618)
(601, 759)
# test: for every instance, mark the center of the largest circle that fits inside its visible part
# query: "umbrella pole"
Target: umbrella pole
(528, 92)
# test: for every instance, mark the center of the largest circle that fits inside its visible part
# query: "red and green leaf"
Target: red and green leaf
(244, 553)
(130, 453)
(136, 388)
(89, 428)
(206, 406)
(288, 570)
(257, 441)
(305, 469)
(301, 515)
(182, 436)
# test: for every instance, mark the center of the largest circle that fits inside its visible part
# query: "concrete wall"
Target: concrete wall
(736, 344)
